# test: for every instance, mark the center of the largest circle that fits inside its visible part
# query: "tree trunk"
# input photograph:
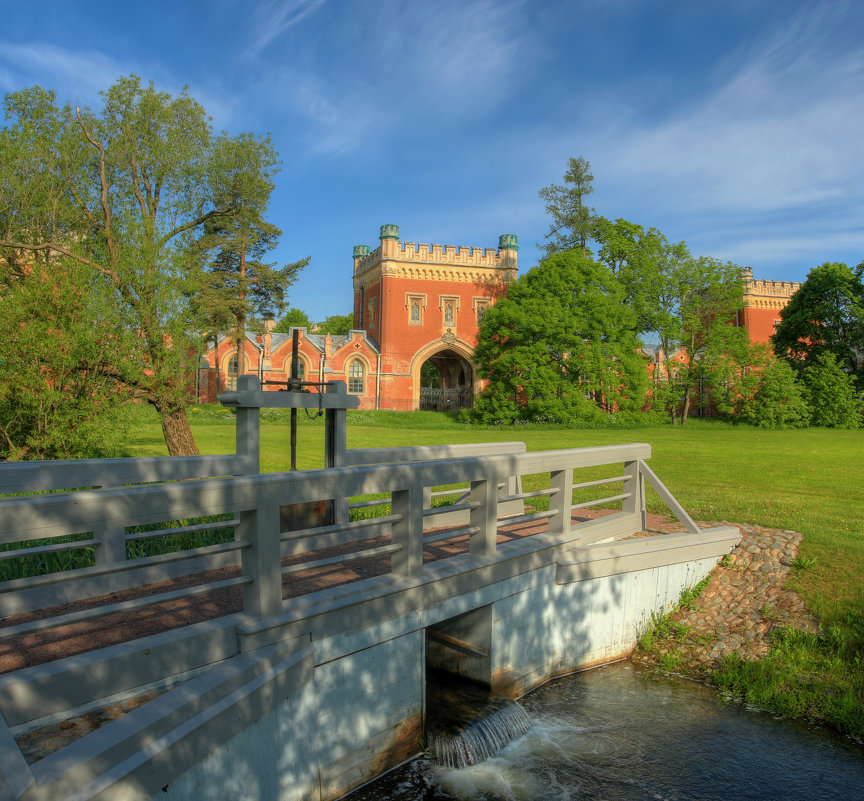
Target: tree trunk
(687, 393)
(178, 434)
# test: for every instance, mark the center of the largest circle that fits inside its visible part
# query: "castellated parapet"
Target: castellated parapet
(761, 294)
(432, 261)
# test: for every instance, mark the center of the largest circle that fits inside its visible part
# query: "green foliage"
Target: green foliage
(430, 375)
(825, 315)
(734, 377)
(661, 632)
(690, 595)
(50, 325)
(714, 295)
(572, 220)
(40, 564)
(24, 566)
(779, 399)
(122, 193)
(294, 318)
(560, 347)
(803, 562)
(655, 273)
(336, 325)
(833, 400)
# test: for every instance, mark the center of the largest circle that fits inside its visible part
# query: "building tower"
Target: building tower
(421, 305)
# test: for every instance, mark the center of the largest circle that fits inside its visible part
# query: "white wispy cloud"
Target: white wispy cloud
(334, 121)
(78, 76)
(75, 75)
(272, 19)
(371, 71)
(780, 129)
(462, 56)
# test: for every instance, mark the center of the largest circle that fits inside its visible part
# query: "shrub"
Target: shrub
(779, 399)
(833, 401)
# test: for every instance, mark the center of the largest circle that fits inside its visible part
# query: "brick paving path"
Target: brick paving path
(744, 600)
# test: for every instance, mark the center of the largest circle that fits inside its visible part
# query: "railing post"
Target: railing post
(248, 426)
(408, 532)
(336, 444)
(262, 560)
(112, 545)
(484, 517)
(635, 485)
(561, 502)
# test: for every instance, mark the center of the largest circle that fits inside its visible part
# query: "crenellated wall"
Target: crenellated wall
(393, 249)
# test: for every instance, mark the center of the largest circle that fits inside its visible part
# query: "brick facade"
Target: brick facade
(423, 303)
(412, 304)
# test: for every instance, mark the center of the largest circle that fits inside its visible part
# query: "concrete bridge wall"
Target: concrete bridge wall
(362, 712)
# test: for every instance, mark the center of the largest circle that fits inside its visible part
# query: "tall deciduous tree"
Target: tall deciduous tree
(684, 303)
(656, 276)
(826, 315)
(561, 346)
(336, 324)
(779, 399)
(51, 408)
(572, 218)
(834, 403)
(714, 295)
(734, 377)
(125, 192)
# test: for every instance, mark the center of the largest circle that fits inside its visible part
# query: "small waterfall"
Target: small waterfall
(466, 723)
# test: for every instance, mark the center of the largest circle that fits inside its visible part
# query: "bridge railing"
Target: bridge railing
(509, 500)
(249, 506)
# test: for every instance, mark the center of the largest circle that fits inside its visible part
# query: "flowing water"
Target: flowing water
(466, 724)
(622, 733)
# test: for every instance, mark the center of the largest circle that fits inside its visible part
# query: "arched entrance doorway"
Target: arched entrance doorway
(446, 382)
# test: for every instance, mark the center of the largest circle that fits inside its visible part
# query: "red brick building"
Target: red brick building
(413, 305)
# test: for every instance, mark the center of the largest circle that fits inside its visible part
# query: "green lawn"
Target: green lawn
(809, 481)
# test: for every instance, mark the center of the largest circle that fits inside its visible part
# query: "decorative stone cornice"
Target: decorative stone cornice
(429, 272)
(767, 303)
(452, 256)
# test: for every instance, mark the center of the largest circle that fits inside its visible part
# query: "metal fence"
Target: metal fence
(439, 399)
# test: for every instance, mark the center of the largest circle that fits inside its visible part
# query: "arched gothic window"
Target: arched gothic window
(301, 369)
(356, 377)
(231, 378)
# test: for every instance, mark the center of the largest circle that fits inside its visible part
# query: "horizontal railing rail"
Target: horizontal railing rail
(18, 477)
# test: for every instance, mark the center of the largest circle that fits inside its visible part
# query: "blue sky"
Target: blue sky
(737, 127)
